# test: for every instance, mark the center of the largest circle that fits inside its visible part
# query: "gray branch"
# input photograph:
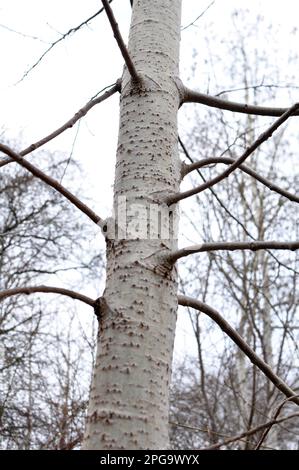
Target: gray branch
(186, 169)
(51, 182)
(259, 141)
(239, 341)
(191, 96)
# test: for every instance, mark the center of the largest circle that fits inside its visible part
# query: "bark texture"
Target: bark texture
(129, 397)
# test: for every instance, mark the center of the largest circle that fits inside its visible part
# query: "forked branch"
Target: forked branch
(227, 161)
(228, 212)
(259, 141)
(268, 428)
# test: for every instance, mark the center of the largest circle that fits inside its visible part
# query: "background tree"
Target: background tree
(257, 291)
(45, 345)
(128, 407)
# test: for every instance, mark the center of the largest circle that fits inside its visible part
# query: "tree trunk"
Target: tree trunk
(129, 402)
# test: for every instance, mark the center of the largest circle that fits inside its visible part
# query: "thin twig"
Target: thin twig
(275, 416)
(239, 341)
(261, 139)
(68, 33)
(71, 154)
(51, 182)
(207, 431)
(224, 207)
(231, 246)
(120, 42)
(190, 96)
(255, 87)
(199, 16)
(24, 35)
(70, 123)
(48, 290)
(227, 161)
(251, 432)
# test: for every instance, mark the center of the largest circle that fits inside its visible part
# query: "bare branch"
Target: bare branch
(51, 182)
(261, 139)
(208, 431)
(47, 290)
(199, 16)
(251, 431)
(239, 341)
(232, 246)
(120, 42)
(190, 96)
(70, 123)
(256, 87)
(24, 35)
(227, 161)
(275, 416)
(188, 156)
(68, 33)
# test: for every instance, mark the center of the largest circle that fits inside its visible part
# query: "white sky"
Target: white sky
(82, 65)
(86, 62)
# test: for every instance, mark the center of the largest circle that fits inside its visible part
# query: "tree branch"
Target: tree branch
(188, 156)
(79, 114)
(255, 87)
(190, 96)
(68, 33)
(120, 42)
(199, 16)
(268, 428)
(261, 139)
(51, 182)
(209, 431)
(224, 207)
(231, 246)
(251, 431)
(227, 161)
(239, 341)
(48, 290)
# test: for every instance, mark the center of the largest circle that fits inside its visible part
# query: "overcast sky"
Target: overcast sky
(88, 61)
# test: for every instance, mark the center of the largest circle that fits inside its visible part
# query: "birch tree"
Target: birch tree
(129, 399)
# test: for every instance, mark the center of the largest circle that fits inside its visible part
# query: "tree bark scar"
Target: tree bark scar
(98, 308)
(101, 310)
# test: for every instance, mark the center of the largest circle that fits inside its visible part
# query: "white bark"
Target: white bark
(129, 397)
